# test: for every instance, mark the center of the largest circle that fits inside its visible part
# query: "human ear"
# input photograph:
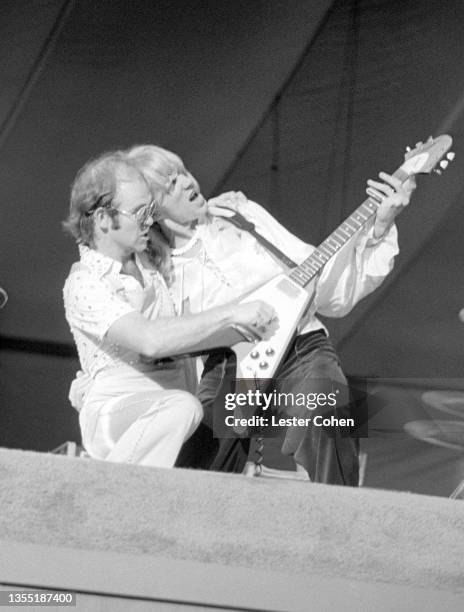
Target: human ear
(102, 220)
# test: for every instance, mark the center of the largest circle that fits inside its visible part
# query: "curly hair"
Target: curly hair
(95, 185)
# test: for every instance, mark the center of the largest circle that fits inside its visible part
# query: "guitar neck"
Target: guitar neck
(312, 265)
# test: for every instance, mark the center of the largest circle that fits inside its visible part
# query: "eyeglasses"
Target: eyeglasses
(140, 216)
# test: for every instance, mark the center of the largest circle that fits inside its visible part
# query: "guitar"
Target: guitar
(287, 292)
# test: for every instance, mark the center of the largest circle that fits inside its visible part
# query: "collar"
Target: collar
(97, 262)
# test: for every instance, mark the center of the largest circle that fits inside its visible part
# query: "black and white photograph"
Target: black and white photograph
(232, 305)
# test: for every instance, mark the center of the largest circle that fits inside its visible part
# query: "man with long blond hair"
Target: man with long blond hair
(207, 261)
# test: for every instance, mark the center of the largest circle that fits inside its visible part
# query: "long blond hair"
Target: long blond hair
(158, 167)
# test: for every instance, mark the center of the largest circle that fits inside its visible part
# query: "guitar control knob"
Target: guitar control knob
(254, 354)
(270, 351)
(263, 365)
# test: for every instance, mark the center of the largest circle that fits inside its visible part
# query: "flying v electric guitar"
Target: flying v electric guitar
(287, 292)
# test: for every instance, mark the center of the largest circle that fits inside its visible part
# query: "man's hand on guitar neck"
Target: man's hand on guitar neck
(393, 196)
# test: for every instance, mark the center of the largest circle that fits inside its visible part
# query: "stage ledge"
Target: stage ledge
(297, 537)
(115, 581)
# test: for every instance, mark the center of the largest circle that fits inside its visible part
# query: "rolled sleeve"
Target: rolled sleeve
(355, 271)
(377, 255)
(91, 305)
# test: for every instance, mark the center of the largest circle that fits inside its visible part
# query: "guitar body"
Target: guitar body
(289, 300)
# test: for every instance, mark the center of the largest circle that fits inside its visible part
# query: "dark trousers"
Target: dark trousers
(329, 454)
(202, 450)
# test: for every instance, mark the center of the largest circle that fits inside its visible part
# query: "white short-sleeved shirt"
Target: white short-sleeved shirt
(96, 295)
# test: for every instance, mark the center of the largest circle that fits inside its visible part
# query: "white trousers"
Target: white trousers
(130, 418)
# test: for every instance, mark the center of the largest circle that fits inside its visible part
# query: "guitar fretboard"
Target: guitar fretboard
(305, 272)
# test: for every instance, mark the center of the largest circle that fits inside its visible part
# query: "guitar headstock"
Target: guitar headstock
(426, 156)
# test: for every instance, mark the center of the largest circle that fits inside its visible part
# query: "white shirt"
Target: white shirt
(222, 262)
(96, 295)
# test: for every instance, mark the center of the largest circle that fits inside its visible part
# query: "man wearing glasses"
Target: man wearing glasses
(134, 400)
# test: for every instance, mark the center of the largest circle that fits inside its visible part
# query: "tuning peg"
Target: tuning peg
(451, 155)
(437, 171)
(419, 144)
(444, 164)
(429, 139)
